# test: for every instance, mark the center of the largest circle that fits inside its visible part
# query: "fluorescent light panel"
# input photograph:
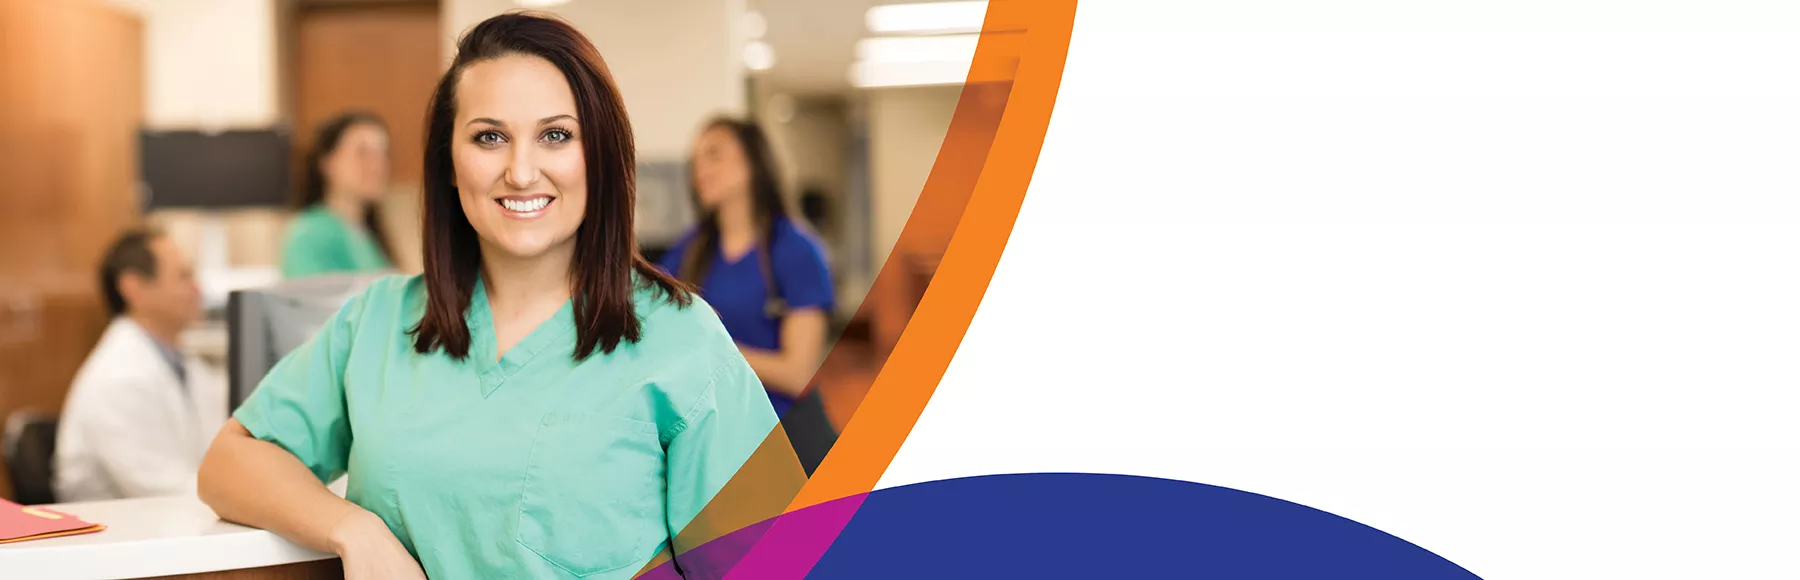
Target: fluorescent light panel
(869, 75)
(959, 47)
(759, 56)
(926, 18)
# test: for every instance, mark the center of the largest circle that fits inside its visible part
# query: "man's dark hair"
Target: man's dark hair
(130, 253)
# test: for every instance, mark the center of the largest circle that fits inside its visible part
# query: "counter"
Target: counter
(161, 537)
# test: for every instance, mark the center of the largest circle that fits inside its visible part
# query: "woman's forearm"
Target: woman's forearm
(776, 372)
(789, 370)
(259, 484)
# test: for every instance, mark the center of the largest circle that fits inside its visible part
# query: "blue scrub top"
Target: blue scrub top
(737, 291)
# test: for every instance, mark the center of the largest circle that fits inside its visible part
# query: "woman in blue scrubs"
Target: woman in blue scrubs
(754, 262)
(763, 271)
(542, 402)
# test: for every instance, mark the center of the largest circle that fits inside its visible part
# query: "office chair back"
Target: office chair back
(30, 447)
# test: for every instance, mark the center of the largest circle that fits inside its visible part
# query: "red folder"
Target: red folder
(20, 523)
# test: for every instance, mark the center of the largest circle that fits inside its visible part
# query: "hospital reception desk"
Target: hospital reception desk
(175, 537)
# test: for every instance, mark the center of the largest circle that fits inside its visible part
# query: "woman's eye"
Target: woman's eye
(489, 138)
(557, 136)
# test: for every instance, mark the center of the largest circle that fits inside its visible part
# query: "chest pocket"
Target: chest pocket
(591, 501)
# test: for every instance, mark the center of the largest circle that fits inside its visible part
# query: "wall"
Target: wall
(212, 64)
(208, 63)
(677, 62)
(809, 135)
(906, 128)
(811, 140)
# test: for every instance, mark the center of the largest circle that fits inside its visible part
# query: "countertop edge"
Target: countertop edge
(158, 557)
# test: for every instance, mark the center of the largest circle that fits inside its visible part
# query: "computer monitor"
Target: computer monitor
(665, 208)
(265, 324)
(228, 169)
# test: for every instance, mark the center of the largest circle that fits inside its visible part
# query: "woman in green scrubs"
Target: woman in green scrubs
(542, 402)
(337, 228)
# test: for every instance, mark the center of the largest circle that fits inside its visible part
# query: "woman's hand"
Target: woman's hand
(370, 551)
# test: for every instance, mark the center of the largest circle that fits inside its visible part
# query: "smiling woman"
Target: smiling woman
(542, 402)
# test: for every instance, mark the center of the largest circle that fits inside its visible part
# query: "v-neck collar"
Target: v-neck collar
(483, 345)
(726, 259)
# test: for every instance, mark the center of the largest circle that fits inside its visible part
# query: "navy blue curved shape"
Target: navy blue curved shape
(1046, 525)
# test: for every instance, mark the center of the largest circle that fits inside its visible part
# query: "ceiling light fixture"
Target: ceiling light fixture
(759, 56)
(896, 61)
(542, 3)
(870, 75)
(926, 18)
(960, 47)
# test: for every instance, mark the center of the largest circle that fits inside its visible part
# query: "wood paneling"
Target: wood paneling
(380, 58)
(71, 100)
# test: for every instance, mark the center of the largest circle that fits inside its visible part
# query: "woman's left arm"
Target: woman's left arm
(730, 467)
(803, 276)
(788, 371)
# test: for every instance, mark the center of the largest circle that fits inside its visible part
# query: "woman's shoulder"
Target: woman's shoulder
(793, 227)
(386, 298)
(795, 238)
(314, 216)
(669, 322)
(313, 223)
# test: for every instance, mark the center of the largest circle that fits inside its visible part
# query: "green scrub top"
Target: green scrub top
(534, 466)
(320, 242)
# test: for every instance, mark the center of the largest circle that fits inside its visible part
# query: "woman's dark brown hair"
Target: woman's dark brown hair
(607, 267)
(312, 190)
(765, 199)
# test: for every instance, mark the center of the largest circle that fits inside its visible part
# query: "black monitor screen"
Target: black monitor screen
(214, 170)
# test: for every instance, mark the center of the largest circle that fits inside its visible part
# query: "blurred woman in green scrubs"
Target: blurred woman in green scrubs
(542, 402)
(337, 228)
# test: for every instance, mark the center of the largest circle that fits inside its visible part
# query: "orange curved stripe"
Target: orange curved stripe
(1034, 34)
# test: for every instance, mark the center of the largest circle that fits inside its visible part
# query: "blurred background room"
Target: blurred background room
(196, 116)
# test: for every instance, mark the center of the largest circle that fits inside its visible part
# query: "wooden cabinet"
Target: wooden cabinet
(71, 102)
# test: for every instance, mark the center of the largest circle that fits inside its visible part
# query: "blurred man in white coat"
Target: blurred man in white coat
(139, 416)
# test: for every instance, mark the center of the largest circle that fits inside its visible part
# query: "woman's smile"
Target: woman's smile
(525, 207)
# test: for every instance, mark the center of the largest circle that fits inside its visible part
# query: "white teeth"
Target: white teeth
(525, 206)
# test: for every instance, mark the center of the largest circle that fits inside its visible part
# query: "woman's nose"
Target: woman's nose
(521, 173)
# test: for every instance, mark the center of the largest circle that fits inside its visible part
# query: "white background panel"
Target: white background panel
(1518, 282)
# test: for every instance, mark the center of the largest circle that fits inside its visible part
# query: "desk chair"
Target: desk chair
(29, 445)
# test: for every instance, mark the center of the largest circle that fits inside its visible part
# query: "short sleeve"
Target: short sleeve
(802, 274)
(724, 427)
(300, 405)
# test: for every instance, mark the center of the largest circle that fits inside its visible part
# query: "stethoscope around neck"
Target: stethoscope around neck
(773, 307)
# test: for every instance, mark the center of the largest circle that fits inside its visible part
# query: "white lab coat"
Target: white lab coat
(129, 427)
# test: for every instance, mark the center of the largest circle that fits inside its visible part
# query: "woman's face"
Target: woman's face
(721, 173)
(520, 172)
(360, 164)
